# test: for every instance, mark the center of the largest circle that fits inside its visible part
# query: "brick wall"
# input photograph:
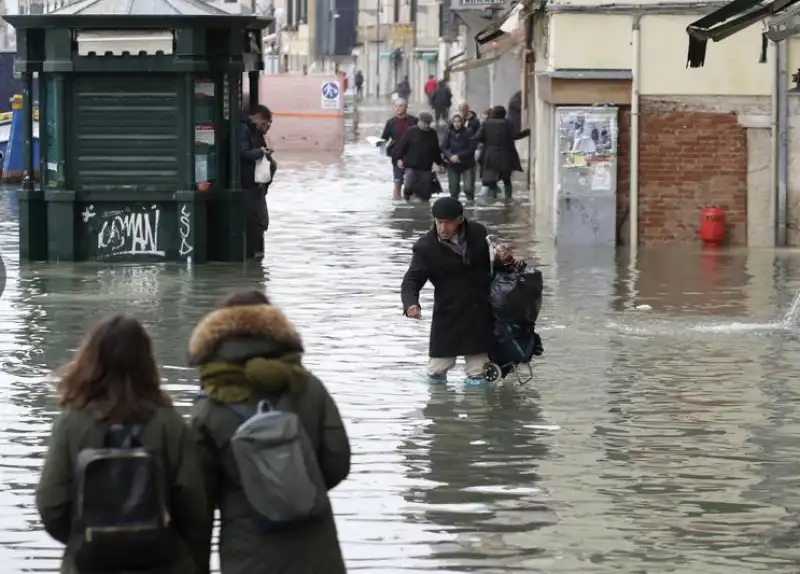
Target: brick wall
(688, 159)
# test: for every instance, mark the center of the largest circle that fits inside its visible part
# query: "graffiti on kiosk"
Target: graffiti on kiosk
(127, 231)
(185, 229)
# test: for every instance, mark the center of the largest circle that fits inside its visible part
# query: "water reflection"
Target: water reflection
(473, 465)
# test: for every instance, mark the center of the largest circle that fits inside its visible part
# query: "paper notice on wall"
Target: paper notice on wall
(201, 168)
(601, 177)
(204, 89)
(204, 135)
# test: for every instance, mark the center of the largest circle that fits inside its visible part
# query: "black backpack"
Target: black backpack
(120, 520)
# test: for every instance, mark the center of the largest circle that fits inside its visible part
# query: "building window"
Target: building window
(396, 11)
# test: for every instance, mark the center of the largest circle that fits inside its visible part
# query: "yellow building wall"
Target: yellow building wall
(594, 41)
(603, 42)
(732, 66)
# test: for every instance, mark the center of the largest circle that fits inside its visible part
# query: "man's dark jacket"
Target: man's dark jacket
(472, 122)
(419, 149)
(391, 136)
(462, 321)
(251, 142)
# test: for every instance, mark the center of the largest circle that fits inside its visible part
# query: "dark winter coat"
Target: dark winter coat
(462, 144)
(251, 144)
(499, 152)
(403, 89)
(419, 149)
(472, 122)
(166, 433)
(392, 135)
(442, 98)
(515, 110)
(263, 345)
(462, 321)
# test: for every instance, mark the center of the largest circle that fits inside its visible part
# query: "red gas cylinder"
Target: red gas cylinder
(712, 225)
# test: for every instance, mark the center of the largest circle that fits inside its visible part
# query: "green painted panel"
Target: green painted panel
(126, 132)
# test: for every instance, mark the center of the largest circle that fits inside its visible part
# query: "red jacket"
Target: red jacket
(430, 87)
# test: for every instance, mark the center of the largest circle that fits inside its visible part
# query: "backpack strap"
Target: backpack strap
(122, 436)
(243, 410)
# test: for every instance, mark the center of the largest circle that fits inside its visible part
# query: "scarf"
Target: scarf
(232, 383)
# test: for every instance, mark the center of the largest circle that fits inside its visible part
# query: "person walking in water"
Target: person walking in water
(430, 88)
(359, 83)
(471, 121)
(394, 130)
(103, 494)
(454, 257)
(249, 358)
(441, 102)
(416, 153)
(499, 157)
(458, 149)
(253, 148)
(403, 89)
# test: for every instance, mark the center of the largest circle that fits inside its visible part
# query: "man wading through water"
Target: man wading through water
(252, 148)
(454, 257)
(415, 155)
(394, 130)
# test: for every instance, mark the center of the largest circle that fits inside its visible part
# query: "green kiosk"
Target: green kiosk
(138, 124)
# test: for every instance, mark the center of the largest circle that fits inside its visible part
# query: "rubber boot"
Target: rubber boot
(437, 379)
(475, 382)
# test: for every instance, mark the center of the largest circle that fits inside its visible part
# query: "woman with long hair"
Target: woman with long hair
(249, 355)
(115, 413)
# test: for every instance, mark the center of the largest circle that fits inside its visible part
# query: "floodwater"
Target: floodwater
(663, 440)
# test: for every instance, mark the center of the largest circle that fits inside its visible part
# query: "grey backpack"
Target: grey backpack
(278, 466)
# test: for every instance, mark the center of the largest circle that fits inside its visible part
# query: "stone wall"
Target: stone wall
(693, 154)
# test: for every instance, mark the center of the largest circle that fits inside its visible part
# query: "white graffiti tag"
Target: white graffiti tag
(185, 231)
(126, 232)
(88, 213)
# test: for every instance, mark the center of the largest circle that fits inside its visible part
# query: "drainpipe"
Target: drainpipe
(780, 93)
(633, 193)
(774, 138)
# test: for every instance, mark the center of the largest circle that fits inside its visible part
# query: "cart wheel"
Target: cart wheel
(493, 372)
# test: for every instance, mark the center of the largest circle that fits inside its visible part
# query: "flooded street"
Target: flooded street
(652, 441)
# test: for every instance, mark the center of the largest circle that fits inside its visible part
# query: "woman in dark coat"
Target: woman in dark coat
(114, 380)
(499, 156)
(247, 350)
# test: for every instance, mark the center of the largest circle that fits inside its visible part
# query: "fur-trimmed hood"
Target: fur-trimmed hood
(254, 322)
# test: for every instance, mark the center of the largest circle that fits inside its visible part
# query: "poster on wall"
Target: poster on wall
(204, 135)
(601, 176)
(588, 133)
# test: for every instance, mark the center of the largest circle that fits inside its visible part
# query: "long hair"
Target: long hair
(113, 373)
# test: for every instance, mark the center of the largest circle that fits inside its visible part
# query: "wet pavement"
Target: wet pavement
(649, 441)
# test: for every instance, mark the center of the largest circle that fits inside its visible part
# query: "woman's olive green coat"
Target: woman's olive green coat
(237, 335)
(165, 432)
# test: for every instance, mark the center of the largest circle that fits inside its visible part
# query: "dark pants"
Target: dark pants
(491, 181)
(454, 178)
(418, 183)
(440, 115)
(257, 219)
